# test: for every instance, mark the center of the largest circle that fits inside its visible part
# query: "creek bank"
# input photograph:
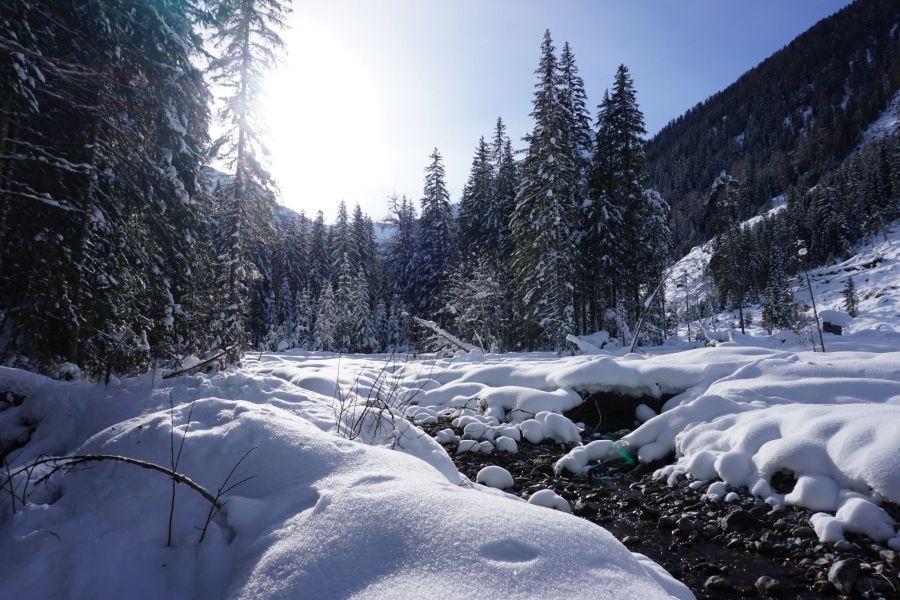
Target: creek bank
(718, 549)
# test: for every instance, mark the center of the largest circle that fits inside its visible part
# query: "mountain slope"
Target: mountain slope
(874, 265)
(786, 122)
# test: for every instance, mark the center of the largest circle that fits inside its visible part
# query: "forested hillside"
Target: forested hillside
(786, 122)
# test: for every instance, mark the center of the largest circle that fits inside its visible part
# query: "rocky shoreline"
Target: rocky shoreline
(718, 549)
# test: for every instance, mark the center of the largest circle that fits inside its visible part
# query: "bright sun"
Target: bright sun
(325, 125)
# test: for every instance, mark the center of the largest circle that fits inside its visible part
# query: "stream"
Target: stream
(719, 550)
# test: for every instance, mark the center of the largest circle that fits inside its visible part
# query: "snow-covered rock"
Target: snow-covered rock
(550, 499)
(495, 477)
(506, 444)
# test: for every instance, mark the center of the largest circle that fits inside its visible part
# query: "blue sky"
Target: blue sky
(367, 88)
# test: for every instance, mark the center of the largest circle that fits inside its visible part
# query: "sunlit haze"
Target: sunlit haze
(367, 89)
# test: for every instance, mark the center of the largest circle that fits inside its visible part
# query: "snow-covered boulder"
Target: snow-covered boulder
(495, 477)
(550, 499)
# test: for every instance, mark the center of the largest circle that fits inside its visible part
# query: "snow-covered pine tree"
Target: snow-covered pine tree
(365, 250)
(474, 304)
(361, 318)
(400, 256)
(99, 209)
(541, 224)
(380, 326)
(779, 307)
(398, 324)
(344, 295)
(578, 137)
(246, 37)
(301, 336)
(341, 241)
(625, 124)
(475, 206)
(601, 224)
(851, 299)
(577, 119)
(728, 263)
(506, 181)
(319, 269)
(656, 239)
(325, 329)
(435, 240)
(295, 254)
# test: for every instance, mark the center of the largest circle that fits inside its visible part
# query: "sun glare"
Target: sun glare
(324, 121)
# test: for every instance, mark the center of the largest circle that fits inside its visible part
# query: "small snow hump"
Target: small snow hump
(550, 499)
(495, 477)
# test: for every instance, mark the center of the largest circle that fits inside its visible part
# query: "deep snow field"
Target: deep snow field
(387, 514)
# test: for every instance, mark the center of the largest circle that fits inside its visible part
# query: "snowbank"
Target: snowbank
(323, 516)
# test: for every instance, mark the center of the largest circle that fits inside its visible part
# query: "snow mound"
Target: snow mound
(495, 477)
(576, 461)
(322, 516)
(550, 499)
(832, 450)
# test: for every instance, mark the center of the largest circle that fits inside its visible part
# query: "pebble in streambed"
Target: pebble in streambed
(741, 547)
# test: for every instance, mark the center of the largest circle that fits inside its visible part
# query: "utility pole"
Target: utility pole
(803, 252)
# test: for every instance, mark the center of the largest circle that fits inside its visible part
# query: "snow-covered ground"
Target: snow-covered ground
(385, 515)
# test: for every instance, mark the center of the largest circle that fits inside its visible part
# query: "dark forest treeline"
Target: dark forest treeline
(114, 255)
(787, 122)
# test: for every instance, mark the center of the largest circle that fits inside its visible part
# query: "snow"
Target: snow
(856, 515)
(576, 461)
(384, 515)
(887, 122)
(495, 477)
(550, 499)
(506, 444)
(836, 317)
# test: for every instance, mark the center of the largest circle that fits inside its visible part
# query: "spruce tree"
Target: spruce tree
(341, 240)
(506, 180)
(344, 297)
(601, 247)
(246, 35)
(301, 336)
(629, 181)
(401, 249)
(476, 231)
(319, 270)
(361, 318)
(101, 228)
(851, 300)
(779, 307)
(325, 330)
(435, 241)
(541, 224)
